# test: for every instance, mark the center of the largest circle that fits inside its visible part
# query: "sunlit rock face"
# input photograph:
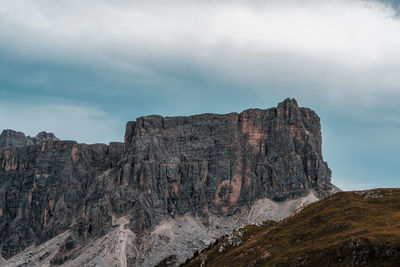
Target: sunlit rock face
(204, 166)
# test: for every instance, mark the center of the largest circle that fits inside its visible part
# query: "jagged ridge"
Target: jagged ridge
(202, 166)
(10, 138)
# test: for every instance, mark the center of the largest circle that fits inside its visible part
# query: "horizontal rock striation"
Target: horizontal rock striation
(168, 167)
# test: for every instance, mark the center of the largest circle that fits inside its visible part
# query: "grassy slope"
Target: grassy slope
(348, 228)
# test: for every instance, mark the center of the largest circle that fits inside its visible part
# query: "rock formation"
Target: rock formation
(205, 171)
(9, 138)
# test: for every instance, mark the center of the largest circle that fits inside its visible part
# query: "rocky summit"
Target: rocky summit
(172, 188)
(10, 138)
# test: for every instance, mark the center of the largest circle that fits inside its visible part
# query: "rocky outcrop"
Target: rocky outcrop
(219, 163)
(43, 188)
(172, 241)
(10, 138)
(204, 166)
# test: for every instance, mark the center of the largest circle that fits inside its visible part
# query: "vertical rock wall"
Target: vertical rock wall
(168, 167)
(219, 163)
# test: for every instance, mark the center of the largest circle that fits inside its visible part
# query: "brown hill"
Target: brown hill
(359, 228)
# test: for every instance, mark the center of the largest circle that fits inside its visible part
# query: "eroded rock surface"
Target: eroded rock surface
(10, 138)
(43, 189)
(168, 168)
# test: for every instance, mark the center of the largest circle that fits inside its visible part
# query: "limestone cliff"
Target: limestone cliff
(209, 167)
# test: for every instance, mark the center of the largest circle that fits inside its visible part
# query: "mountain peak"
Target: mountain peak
(173, 186)
(11, 138)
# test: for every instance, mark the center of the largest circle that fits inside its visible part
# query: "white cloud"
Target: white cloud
(337, 50)
(338, 27)
(344, 47)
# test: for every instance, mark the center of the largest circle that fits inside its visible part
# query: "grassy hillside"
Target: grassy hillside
(347, 229)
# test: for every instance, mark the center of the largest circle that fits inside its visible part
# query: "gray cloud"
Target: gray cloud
(394, 4)
(111, 61)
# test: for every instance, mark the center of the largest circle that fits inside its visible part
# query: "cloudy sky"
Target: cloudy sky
(82, 68)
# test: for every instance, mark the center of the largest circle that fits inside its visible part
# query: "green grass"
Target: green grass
(359, 228)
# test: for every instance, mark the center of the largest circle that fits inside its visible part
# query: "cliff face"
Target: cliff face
(218, 163)
(43, 188)
(202, 166)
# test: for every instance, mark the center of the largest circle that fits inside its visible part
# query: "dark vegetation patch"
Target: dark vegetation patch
(168, 261)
